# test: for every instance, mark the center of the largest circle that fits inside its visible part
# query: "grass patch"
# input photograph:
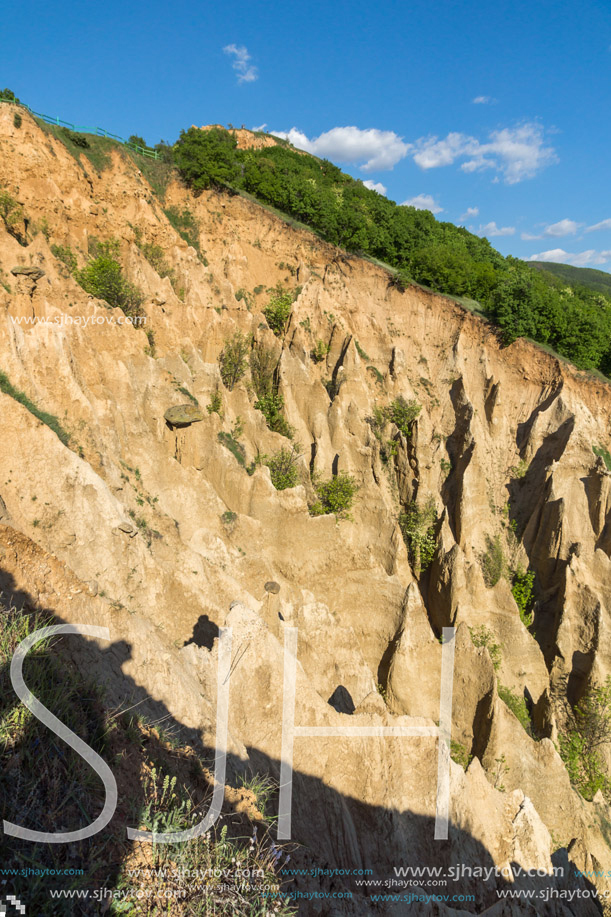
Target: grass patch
(483, 636)
(493, 562)
(517, 705)
(97, 150)
(158, 173)
(460, 755)
(50, 420)
(186, 226)
(603, 453)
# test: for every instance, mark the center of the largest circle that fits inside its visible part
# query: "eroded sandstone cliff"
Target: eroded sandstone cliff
(145, 527)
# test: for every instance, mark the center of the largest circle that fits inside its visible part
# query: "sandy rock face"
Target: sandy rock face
(112, 515)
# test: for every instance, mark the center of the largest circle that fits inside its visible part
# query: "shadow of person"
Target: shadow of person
(205, 632)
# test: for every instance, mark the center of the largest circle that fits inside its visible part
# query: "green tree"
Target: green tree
(206, 159)
(8, 95)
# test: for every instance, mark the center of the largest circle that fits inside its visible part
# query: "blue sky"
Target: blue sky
(494, 114)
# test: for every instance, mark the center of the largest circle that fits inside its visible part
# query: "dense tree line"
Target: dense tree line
(574, 320)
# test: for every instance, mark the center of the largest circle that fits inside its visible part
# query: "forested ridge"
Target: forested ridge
(572, 319)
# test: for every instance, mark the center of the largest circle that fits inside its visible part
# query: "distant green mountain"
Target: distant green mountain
(587, 277)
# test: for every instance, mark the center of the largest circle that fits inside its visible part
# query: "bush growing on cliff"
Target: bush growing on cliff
(583, 742)
(103, 278)
(483, 636)
(417, 525)
(403, 413)
(233, 360)
(11, 213)
(522, 591)
(65, 254)
(319, 351)
(263, 362)
(283, 467)
(278, 309)
(493, 561)
(335, 496)
(271, 406)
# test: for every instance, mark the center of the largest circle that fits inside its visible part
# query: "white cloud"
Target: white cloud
(468, 214)
(375, 186)
(604, 224)
(562, 228)
(554, 231)
(491, 229)
(483, 100)
(588, 258)
(433, 153)
(516, 152)
(381, 150)
(423, 202)
(246, 72)
(260, 127)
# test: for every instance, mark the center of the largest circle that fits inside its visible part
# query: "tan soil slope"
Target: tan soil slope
(138, 512)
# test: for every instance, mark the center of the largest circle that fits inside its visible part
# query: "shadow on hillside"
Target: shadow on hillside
(44, 788)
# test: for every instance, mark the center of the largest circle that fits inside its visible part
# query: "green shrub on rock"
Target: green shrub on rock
(283, 468)
(335, 496)
(103, 278)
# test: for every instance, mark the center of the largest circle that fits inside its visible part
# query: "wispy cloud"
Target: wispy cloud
(483, 100)
(375, 186)
(491, 229)
(423, 202)
(380, 150)
(589, 258)
(246, 72)
(604, 224)
(469, 213)
(514, 152)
